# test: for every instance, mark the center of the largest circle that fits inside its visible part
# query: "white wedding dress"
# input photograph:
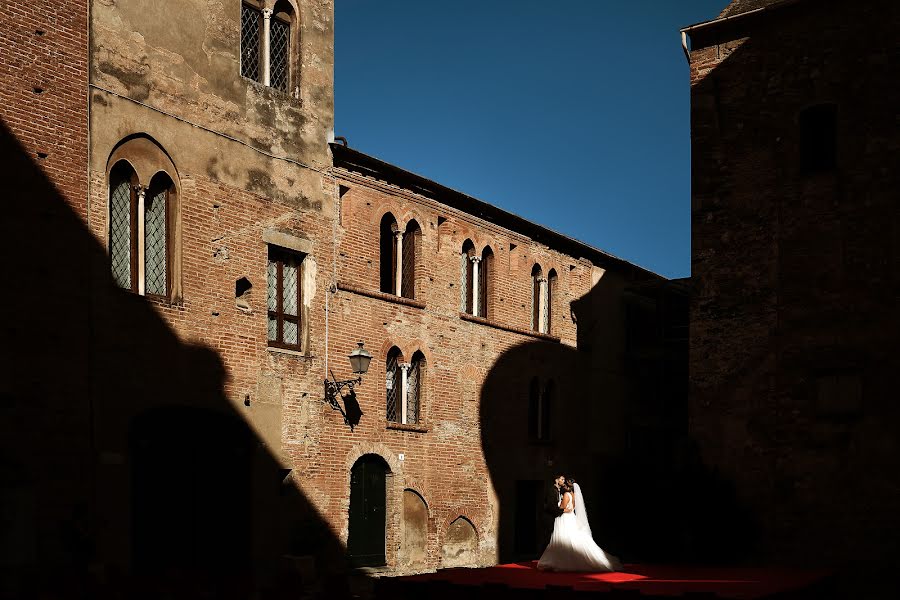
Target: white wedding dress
(572, 546)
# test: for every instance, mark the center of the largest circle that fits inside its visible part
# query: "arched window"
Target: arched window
(552, 282)
(537, 277)
(540, 403)
(122, 225)
(393, 384)
(280, 46)
(466, 275)
(485, 271)
(411, 243)
(156, 235)
(388, 233)
(143, 237)
(267, 46)
(415, 383)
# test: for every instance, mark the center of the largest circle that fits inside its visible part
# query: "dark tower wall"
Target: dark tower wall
(796, 272)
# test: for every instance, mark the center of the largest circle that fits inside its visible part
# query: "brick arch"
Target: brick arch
(414, 345)
(379, 214)
(467, 513)
(146, 156)
(410, 215)
(386, 346)
(465, 232)
(487, 242)
(376, 448)
(413, 484)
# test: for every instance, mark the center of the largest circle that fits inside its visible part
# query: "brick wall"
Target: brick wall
(125, 402)
(795, 278)
(43, 142)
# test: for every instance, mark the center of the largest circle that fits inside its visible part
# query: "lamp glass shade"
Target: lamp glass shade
(360, 359)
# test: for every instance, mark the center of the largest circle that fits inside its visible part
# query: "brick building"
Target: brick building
(795, 276)
(200, 258)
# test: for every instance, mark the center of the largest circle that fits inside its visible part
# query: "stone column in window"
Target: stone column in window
(404, 391)
(398, 256)
(542, 306)
(475, 260)
(141, 234)
(266, 37)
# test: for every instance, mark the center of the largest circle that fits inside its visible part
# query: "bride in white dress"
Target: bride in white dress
(572, 546)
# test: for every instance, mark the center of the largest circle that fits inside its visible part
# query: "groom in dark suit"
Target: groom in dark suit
(551, 500)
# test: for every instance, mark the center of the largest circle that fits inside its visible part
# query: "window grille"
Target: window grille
(463, 285)
(120, 240)
(284, 299)
(272, 299)
(484, 269)
(392, 387)
(250, 39)
(279, 44)
(409, 265)
(155, 248)
(414, 389)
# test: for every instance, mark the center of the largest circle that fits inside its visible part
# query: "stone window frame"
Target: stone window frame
(287, 12)
(146, 160)
(284, 242)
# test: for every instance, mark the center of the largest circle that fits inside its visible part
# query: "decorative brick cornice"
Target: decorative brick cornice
(510, 328)
(356, 289)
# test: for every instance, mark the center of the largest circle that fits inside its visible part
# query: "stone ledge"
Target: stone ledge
(355, 289)
(510, 328)
(407, 427)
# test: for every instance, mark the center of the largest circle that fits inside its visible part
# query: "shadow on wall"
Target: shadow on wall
(796, 273)
(549, 409)
(120, 452)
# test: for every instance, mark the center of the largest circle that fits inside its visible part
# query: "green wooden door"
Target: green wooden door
(367, 512)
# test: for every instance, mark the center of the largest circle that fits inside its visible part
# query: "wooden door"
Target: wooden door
(368, 504)
(527, 514)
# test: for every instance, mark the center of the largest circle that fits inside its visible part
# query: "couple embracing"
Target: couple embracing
(572, 546)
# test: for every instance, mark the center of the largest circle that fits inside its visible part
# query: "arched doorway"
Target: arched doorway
(368, 511)
(191, 490)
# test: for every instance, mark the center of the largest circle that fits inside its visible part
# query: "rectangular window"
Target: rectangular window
(278, 53)
(250, 40)
(818, 138)
(284, 298)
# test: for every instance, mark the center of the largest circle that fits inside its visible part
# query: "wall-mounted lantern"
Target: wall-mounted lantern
(359, 363)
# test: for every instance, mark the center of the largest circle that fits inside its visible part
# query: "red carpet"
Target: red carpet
(648, 580)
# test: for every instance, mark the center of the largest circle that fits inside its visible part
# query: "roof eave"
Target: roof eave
(501, 217)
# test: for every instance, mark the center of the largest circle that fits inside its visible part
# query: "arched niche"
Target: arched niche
(460, 548)
(414, 540)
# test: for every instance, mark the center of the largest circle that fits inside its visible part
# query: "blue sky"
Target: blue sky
(574, 114)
